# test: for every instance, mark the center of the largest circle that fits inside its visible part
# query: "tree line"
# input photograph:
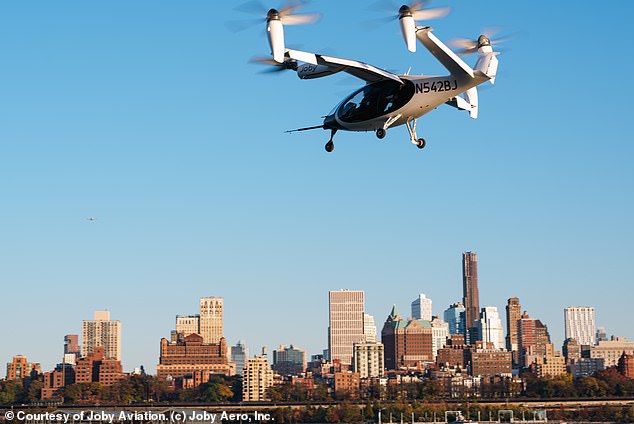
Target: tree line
(149, 389)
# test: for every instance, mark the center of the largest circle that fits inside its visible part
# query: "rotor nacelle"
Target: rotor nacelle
(275, 35)
(408, 27)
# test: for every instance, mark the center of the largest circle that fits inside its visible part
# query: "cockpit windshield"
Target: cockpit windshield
(374, 100)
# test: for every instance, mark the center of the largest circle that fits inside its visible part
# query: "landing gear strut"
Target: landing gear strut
(330, 146)
(411, 127)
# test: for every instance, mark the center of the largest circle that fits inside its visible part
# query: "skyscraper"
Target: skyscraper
(101, 331)
(421, 308)
(369, 328)
(513, 315)
(533, 339)
(239, 356)
(439, 334)
(579, 321)
(345, 324)
(454, 316)
(490, 327)
(187, 324)
(407, 342)
(471, 299)
(211, 325)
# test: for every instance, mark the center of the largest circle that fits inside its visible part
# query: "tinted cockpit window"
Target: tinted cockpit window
(374, 100)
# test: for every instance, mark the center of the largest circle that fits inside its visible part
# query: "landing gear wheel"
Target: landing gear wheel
(421, 143)
(380, 133)
(330, 146)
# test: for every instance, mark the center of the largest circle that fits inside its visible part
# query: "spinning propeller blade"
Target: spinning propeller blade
(287, 14)
(275, 20)
(468, 46)
(274, 66)
(408, 15)
(420, 11)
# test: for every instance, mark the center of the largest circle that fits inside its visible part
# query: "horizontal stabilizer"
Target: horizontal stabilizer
(459, 103)
(469, 103)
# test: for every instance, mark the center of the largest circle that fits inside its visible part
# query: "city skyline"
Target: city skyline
(147, 116)
(151, 366)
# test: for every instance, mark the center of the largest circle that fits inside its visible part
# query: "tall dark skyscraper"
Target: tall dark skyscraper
(513, 315)
(471, 299)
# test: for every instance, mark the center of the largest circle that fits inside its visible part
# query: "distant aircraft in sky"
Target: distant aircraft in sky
(91, 219)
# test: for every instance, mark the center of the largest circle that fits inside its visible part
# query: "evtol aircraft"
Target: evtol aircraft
(388, 100)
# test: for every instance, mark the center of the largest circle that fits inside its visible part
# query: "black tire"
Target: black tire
(330, 146)
(380, 133)
(421, 143)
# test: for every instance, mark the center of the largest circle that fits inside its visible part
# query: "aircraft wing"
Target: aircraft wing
(355, 68)
(444, 54)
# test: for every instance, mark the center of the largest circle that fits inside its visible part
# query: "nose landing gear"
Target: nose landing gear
(380, 133)
(330, 146)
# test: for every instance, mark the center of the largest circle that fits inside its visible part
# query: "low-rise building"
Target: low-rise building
(190, 355)
(54, 381)
(485, 361)
(571, 350)
(20, 368)
(552, 364)
(289, 360)
(368, 359)
(453, 354)
(626, 365)
(96, 368)
(611, 350)
(584, 367)
(347, 383)
(256, 379)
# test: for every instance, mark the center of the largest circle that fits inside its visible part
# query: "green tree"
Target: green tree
(215, 391)
(34, 391)
(11, 392)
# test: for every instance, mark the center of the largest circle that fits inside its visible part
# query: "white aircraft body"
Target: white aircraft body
(389, 100)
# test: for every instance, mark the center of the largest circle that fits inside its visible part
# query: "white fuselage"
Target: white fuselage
(369, 108)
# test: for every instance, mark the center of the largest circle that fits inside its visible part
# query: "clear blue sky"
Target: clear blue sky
(147, 116)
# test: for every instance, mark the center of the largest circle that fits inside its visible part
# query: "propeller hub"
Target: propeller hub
(404, 11)
(272, 15)
(483, 40)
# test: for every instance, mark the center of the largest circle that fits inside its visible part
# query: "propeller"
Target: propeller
(273, 65)
(408, 15)
(468, 46)
(275, 20)
(287, 14)
(420, 12)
